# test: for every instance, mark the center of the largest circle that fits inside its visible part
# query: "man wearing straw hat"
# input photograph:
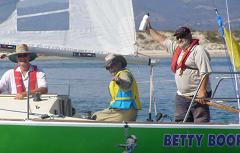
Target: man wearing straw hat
(24, 76)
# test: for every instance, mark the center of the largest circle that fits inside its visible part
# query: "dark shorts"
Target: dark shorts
(199, 112)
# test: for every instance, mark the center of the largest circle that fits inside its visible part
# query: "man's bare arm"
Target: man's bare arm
(202, 90)
(156, 35)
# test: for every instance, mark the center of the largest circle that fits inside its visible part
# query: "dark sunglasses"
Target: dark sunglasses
(109, 67)
(178, 38)
(23, 55)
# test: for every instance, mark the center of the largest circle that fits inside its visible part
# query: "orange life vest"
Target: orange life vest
(19, 82)
(177, 52)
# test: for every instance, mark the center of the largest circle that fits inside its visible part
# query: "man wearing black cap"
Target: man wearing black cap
(190, 61)
(123, 91)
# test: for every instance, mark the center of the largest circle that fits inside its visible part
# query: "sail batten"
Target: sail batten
(101, 27)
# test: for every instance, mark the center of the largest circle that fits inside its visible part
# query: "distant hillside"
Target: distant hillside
(211, 40)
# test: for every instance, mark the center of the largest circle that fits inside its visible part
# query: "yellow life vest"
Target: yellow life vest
(124, 99)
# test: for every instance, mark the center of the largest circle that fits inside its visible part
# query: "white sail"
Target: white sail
(69, 27)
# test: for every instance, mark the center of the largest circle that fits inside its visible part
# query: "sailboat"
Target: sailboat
(87, 29)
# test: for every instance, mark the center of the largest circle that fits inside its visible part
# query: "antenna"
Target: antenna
(28, 93)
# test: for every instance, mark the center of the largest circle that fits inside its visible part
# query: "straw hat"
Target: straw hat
(21, 49)
(112, 59)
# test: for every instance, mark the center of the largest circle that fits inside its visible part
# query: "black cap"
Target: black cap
(182, 32)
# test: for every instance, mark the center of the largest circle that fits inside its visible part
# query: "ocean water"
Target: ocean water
(87, 84)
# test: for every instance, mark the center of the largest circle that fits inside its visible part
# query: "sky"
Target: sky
(166, 14)
(197, 14)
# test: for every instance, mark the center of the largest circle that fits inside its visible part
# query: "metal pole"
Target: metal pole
(28, 93)
(195, 95)
(151, 94)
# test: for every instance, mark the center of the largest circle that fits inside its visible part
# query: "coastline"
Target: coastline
(148, 53)
(163, 54)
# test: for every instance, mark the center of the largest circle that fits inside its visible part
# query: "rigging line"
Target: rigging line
(235, 76)
(230, 32)
(225, 47)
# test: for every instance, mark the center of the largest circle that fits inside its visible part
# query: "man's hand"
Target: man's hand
(201, 97)
(20, 96)
(116, 79)
(148, 27)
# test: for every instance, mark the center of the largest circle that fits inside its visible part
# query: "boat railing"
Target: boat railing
(221, 79)
(214, 91)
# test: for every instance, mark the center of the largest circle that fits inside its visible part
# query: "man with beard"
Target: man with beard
(190, 62)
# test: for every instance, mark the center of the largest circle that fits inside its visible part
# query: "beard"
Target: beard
(185, 44)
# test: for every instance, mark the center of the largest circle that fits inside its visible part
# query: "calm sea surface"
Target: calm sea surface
(88, 84)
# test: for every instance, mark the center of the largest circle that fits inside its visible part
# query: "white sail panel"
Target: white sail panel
(97, 26)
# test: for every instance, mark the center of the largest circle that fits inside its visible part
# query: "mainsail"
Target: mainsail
(69, 27)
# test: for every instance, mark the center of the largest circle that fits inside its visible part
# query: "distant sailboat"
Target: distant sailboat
(87, 28)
